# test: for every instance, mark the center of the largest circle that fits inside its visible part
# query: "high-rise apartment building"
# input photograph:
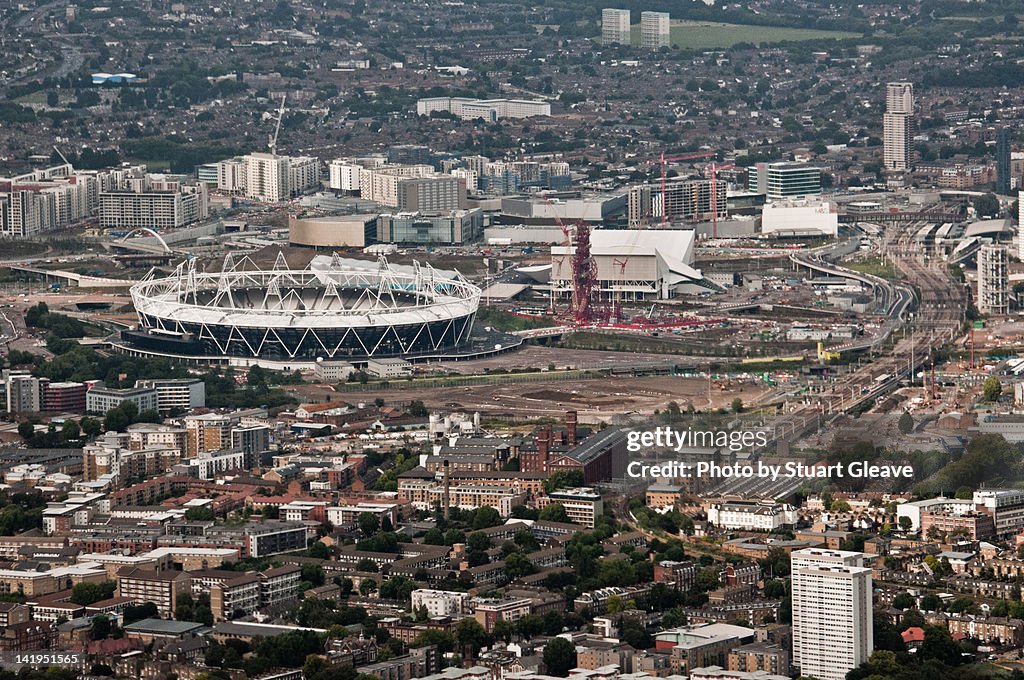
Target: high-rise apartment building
(832, 618)
(23, 393)
(268, 177)
(155, 209)
(898, 124)
(615, 26)
(1003, 175)
(655, 30)
(343, 176)
(899, 98)
(412, 188)
(1020, 225)
(993, 280)
(47, 199)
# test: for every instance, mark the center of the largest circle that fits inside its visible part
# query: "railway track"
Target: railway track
(935, 317)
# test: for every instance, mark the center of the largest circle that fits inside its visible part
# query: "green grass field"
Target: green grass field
(700, 35)
(875, 267)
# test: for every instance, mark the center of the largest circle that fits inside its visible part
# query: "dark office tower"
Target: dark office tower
(1003, 162)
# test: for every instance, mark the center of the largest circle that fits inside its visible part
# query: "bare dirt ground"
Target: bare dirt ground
(595, 400)
(537, 357)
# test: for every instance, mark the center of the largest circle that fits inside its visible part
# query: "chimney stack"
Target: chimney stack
(447, 489)
(570, 426)
(544, 447)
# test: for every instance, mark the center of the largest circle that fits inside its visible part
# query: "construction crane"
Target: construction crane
(620, 265)
(670, 159)
(272, 141)
(568, 245)
(713, 171)
(62, 156)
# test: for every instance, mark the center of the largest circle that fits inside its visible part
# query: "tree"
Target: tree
(70, 431)
(443, 640)
(563, 479)
(200, 514)
(434, 537)
(737, 405)
(517, 565)
(987, 205)
(559, 657)
(774, 589)
(906, 423)
(320, 551)
(367, 565)
(471, 636)
(367, 587)
(903, 601)
(525, 539)
(906, 524)
(313, 573)
(992, 388)
(26, 430)
(478, 541)
(707, 579)
(554, 512)
(368, 523)
(183, 607)
(202, 612)
(119, 418)
(553, 622)
(485, 518)
(256, 379)
(134, 613)
(101, 627)
(931, 603)
(453, 536)
(89, 593)
(91, 427)
(938, 644)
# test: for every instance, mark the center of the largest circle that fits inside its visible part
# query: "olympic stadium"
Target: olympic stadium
(333, 309)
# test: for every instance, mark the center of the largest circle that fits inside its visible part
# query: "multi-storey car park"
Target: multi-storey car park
(334, 309)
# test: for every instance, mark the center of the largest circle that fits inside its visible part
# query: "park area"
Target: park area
(699, 35)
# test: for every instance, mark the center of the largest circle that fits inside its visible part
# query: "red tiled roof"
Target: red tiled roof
(913, 634)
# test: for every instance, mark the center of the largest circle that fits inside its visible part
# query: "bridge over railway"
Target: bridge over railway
(80, 280)
(900, 217)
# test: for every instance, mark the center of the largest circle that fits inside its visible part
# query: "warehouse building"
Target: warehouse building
(339, 231)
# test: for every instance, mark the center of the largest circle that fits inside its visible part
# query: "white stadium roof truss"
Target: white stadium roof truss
(341, 309)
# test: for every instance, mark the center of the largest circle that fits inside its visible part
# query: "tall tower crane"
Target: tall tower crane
(62, 156)
(272, 141)
(713, 172)
(620, 269)
(568, 245)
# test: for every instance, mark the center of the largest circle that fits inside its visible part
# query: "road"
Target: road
(70, 56)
